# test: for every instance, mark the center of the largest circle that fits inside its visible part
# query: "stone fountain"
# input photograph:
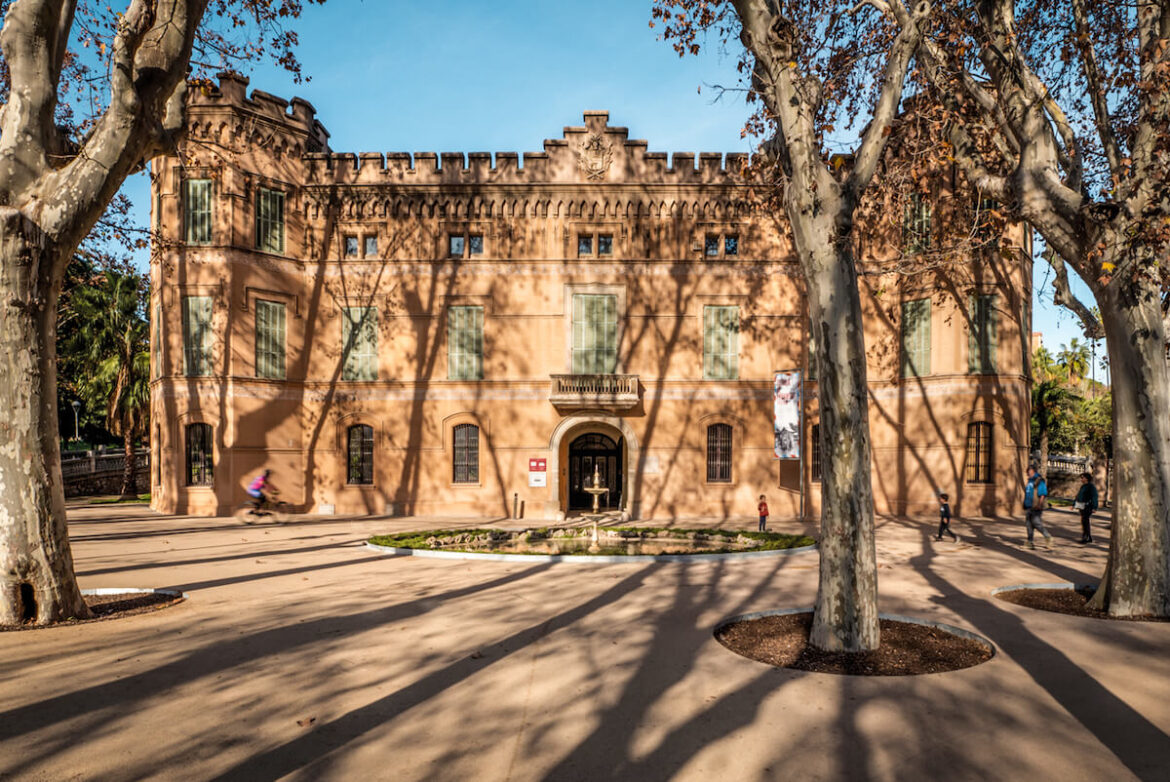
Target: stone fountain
(596, 490)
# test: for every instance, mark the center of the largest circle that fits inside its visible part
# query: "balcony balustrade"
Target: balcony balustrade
(609, 392)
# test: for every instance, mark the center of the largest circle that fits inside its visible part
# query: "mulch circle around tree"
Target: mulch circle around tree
(116, 606)
(1067, 601)
(906, 648)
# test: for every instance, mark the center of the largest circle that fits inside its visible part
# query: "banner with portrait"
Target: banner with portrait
(786, 407)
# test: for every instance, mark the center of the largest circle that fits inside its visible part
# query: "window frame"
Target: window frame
(465, 454)
(815, 464)
(909, 369)
(917, 223)
(363, 475)
(712, 318)
(980, 467)
(459, 334)
(205, 213)
(266, 225)
(273, 345)
(352, 371)
(198, 360)
(370, 250)
(200, 468)
(983, 334)
(593, 355)
(720, 453)
(348, 250)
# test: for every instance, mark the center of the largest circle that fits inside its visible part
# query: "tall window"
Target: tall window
(979, 452)
(200, 449)
(815, 453)
(719, 453)
(982, 338)
(157, 357)
(466, 456)
(594, 334)
(270, 220)
(359, 339)
(360, 452)
(720, 343)
(916, 338)
(465, 343)
(270, 339)
(916, 224)
(197, 335)
(197, 210)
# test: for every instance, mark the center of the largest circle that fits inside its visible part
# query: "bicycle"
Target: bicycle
(269, 506)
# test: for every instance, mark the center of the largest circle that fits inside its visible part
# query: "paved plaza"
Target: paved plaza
(300, 654)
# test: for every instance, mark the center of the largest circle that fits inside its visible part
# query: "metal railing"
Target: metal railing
(618, 391)
(1068, 464)
(93, 463)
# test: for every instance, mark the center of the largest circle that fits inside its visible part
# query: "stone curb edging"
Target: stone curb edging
(133, 591)
(600, 559)
(957, 631)
(1058, 585)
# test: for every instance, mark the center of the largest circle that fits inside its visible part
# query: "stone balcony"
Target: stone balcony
(607, 392)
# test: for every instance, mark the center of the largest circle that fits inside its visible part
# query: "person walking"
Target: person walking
(763, 508)
(1035, 498)
(1086, 503)
(944, 518)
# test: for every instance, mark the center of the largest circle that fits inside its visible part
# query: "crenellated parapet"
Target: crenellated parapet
(227, 115)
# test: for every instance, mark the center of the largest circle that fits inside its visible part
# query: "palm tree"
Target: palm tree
(114, 342)
(1044, 366)
(1051, 401)
(1074, 359)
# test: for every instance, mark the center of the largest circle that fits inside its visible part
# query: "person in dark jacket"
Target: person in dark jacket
(1086, 503)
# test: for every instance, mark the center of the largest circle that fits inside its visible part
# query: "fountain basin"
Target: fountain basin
(614, 545)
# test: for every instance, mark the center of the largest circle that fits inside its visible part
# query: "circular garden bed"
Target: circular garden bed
(116, 603)
(908, 647)
(1064, 598)
(612, 542)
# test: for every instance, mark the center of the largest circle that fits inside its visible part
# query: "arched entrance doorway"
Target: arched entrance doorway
(589, 452)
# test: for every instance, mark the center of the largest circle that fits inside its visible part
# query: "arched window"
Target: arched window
(200, 451)
(719, 453)
(979, 452)
(360, 461)
(466, 457)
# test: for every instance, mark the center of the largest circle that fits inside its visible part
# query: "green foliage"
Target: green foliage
(766, 541)
(104, 350)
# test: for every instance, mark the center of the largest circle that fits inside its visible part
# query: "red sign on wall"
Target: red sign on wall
(537, 465)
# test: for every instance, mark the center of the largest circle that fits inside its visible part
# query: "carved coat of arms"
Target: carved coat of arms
(594, 156)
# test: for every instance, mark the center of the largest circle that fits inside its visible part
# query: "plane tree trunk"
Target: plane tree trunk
(36, 567)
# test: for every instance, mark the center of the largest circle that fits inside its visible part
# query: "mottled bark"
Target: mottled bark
(36, 567)
(1137, 579)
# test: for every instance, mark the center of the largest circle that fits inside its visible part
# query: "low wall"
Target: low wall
(104, 483)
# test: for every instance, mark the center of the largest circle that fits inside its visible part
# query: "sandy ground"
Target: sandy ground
(303, 655)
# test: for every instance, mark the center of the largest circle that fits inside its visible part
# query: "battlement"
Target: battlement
(297, 114)
(593, 153)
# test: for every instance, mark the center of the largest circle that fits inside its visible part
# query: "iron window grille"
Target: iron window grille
(200, 455)
(815, 453)
(466, 454)
(719, 453)
(979, 452)
(360, 449)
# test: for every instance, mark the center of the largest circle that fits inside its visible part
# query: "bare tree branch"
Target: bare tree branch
(1097, 95)
(1064, 297)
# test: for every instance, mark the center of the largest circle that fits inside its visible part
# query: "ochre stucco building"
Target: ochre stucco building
(414, 334)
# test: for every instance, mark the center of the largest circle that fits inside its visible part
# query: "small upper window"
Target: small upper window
(475, 244)
(371, 247)
(711, 247)
(731, 244)
(455, 245)
(584, 244)
(351, 247)
(605, 244)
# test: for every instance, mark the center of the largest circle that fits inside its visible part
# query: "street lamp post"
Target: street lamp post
(76, 408)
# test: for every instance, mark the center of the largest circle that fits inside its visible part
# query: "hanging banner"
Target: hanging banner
(786, 414)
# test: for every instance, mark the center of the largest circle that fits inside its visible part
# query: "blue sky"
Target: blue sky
(464, 76)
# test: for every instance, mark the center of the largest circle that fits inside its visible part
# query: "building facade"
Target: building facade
(472, 334)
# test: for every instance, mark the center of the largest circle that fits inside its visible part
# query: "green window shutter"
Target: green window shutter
(158, 346)
(270, 339)
(197, 335)
(594, 337)
(983, 335)
(917, 223)
(465, 343)
(197, 210)
(359, 335)
(916, 338)
(270, 220)
(720, 343)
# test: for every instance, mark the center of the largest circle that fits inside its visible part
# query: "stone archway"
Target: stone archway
(582, 423)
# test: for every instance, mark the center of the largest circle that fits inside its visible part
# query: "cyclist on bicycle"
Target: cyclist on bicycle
(257, 488)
